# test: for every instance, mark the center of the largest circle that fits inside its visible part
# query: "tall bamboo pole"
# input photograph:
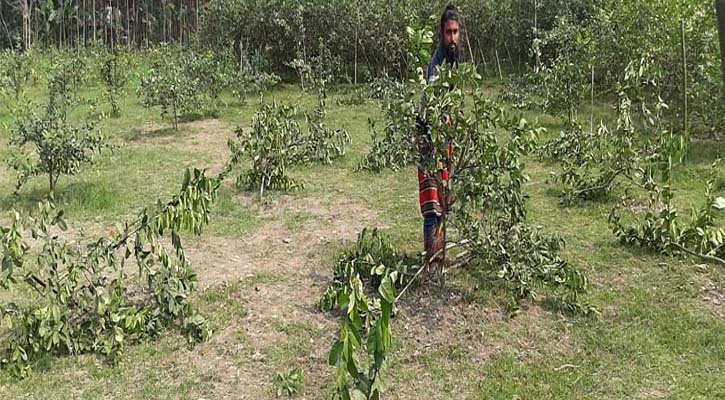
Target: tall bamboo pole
(468, 41)
(536, 32)
(5, 27)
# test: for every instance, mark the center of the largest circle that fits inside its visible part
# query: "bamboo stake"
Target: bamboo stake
(591, 114)
(128, 26)
(468, 42)
(684, 75)
(498, 62)
(485, 65)
(511, 60)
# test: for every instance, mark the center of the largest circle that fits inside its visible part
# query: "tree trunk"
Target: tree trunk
(163, 7)
(127, 27)
(95, 24)
(721, 25)
(84, 23)
(5, 27)
(498, 62)
(78, 27)
(51, 181)
(26, 23)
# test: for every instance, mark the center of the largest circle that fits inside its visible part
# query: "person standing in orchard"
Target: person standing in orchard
(431, 196)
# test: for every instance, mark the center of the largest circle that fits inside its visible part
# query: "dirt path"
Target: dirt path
(282, 277)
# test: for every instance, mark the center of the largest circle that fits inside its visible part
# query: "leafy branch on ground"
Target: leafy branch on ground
(364, 288)
(593, 163)
(661, 228)
(80, 297)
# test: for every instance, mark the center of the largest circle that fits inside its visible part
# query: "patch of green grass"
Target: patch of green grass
(296, 222)
(261, 278)
(230, 218)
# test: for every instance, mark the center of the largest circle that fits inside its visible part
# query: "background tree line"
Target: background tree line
(362, 41)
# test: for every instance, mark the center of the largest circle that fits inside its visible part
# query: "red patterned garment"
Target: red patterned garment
(428, 189)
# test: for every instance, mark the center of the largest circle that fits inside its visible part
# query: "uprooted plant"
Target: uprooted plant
(365, 281)
(658, 226)
(594, 162)
(77, 297)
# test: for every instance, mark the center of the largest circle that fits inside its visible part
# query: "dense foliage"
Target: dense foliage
(83, 299)
(114, 71)
(277, 142)
(484, 191)
(57, 146)
(168, 86)
(15, 69)
(365, 281)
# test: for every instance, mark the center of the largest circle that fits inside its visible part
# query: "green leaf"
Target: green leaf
(335, 353)
(719, 203)
(387, 289)
(356, 394)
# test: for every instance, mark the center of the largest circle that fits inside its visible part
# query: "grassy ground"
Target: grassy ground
(661, 333)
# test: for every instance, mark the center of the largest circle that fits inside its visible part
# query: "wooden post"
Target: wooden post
(720, 5)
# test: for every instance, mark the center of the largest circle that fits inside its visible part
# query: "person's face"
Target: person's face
(450, 34)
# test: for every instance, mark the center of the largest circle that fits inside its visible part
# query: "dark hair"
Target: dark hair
(450, 13)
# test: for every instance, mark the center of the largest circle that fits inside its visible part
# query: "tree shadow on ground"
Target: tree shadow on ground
(88, 194)
(140, 135)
